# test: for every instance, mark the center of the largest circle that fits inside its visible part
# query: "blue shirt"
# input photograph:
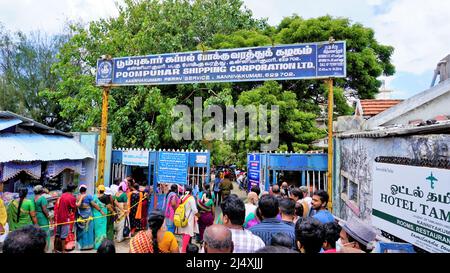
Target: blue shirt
(216, 184)
(87, 200)
(270, 226)
(324, 216)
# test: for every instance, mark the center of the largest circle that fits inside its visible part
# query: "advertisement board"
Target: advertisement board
(282, 62)
(413, 203)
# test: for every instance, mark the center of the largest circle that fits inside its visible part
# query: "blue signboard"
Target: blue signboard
(172, 167)
(285, 62)
(254, 169)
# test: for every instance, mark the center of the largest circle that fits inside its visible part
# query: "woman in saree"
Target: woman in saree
(135, 198)
(156, 239)
(85, 225)
(171, 203)
(43, 218)
(103, 201)
(145, 204)
(121, 200)
(69, 243)
(205, 205)
(21, 211)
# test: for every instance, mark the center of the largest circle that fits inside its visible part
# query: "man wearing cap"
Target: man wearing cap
(355, 234)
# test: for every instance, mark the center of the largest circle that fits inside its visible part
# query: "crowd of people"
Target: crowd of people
(210, 220)
(82, 221)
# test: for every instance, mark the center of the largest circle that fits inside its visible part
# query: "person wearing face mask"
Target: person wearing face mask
(355, 236)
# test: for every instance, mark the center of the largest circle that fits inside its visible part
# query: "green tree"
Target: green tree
(297, 128)
(141, 28)
(366, 58)
(25, 71)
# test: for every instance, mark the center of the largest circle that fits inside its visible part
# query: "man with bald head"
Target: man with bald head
(217, 239)
(276, 191)
(252, 202)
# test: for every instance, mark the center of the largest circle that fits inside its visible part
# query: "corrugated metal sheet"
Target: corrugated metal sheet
(7, 123)
(36, 147)
(32, 124)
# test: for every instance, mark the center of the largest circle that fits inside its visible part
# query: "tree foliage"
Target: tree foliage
(366, 58)
(140, 116)
(25, 63)
(297, 128)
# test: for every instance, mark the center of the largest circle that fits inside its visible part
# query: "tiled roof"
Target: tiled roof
(374, 107)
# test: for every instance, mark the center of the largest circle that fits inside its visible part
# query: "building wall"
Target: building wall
(90, 141)
(438, 106)
(355, 157)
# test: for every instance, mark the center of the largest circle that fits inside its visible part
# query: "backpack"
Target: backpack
(179, 218)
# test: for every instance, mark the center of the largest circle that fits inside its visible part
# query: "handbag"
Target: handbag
(126, 228)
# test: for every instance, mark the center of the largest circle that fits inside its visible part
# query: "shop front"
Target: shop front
(33, 154)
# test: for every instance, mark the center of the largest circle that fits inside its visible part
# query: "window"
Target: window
(350, 191)
(353, 192)
(344, 185)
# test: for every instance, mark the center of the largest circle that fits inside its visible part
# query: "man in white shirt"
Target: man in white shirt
(306, 200)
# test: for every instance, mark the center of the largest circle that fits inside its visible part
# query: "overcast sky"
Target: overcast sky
(419, 30)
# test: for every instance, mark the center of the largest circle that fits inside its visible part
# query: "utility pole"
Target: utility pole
(102, 140)
(103, 132)
(330, 143)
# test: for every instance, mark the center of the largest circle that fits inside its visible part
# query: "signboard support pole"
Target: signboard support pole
(330, 144)
(102, 141)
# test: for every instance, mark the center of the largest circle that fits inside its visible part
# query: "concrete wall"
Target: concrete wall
(425, 105)
(438, 106)
(90, 141)
(355, 156)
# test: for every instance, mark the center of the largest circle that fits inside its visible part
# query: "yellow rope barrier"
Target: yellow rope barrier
(80, 220)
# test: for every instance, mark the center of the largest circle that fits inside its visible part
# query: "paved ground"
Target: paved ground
(123, 247)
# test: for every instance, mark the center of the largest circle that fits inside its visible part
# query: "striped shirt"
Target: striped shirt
(271, 226)
(245, 242)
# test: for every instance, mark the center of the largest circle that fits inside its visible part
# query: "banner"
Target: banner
(413, 203)
(284, 62)
(135, 158)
